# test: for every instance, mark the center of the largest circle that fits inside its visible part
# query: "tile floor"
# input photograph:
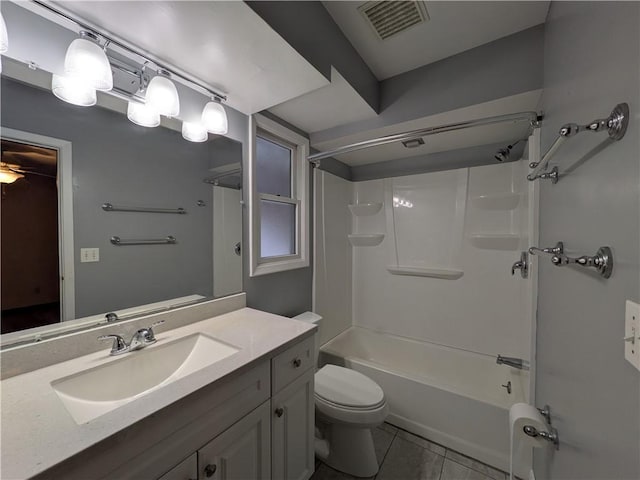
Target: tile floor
(404, 456)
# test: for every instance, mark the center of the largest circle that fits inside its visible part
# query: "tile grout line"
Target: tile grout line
(384, 457)
(471, 468)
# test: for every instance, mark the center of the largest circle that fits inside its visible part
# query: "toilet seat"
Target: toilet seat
(347, 396)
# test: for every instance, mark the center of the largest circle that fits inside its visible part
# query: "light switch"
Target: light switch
(89, 255)
(632, 333)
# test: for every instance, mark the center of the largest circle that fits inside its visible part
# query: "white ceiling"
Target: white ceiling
(453, 28)
(504, 132)
(226, 45)
(326, 107)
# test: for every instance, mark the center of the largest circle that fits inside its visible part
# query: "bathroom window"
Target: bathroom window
(279, 177)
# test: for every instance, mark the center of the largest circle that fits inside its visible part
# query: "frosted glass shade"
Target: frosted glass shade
(162, 96)
(4, 38)
(143, 115)
(194, 132)
(8, 176)
(87, 61)
(73, 90)
(214, 118)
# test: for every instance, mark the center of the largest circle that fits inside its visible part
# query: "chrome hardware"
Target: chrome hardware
(546, 413)
(279, 412)
(513, 362)
(557, 250)
(168, 240)
(210, 470)
(111, 317)
(119, 345)
(553, 175)
(108, 207)
(551, 435)
(602, 261)
(144, 337)
(297, 362)
(615, 125)
(508, 387)
(522, 265)
(237, 248)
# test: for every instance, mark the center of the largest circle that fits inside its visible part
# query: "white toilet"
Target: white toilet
(348, 405)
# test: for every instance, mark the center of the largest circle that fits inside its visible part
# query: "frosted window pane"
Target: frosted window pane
(277, 229)
(273, 168)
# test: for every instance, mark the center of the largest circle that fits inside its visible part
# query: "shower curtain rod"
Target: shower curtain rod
(532, 117)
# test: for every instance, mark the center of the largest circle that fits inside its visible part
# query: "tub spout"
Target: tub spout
(518, 363)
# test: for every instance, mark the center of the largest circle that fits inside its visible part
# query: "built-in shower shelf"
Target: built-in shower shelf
(497, 201)
(495, 241)
(364, 209)
(366, 239)
(446, 273)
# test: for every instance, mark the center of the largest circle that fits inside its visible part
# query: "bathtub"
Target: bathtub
(450, 396)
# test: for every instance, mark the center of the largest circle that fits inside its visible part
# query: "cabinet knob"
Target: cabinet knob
(297, 362)
(210, 470)
(279, 411)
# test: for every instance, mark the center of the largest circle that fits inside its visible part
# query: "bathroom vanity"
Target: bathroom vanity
(249, 414)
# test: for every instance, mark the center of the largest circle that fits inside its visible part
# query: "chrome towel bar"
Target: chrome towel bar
(108, 207)
(169, 240)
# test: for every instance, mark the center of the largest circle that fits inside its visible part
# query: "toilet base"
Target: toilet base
(351, 450)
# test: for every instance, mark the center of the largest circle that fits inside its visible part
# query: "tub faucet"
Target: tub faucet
(512, 362)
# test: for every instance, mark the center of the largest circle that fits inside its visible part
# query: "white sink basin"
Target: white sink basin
(94, 392)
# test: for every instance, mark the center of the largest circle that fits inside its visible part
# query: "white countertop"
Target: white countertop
(38, 432)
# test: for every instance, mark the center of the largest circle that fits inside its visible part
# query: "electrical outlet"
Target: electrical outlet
(89, 255)
(632, 333)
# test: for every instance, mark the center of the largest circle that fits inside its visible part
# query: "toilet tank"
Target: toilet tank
(316, 319)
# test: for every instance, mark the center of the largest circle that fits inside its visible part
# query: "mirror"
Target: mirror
(60, 257)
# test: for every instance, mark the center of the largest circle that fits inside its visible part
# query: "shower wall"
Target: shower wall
(442, 271)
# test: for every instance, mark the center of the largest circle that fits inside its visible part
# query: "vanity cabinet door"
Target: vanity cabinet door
(185, 470)
(241, 452)
(292, 430)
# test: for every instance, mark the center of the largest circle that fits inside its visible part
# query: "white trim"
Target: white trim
(300, 193)
(65, 213)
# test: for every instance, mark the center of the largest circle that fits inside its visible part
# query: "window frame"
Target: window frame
(299, 145)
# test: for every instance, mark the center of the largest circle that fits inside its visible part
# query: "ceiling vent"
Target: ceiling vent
(387, 18)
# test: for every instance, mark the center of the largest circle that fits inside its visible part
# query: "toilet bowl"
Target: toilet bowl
(348, 404)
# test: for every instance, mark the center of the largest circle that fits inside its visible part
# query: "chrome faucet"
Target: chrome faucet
(142, 338)
(513, 362)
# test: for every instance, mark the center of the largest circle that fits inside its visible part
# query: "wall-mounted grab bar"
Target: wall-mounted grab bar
(602, 261)
(108, 207)
(169, 240)
(615, 124)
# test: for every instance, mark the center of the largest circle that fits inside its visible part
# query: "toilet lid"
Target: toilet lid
(343, 386)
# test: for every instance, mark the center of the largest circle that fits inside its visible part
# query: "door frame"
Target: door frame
(64, 182)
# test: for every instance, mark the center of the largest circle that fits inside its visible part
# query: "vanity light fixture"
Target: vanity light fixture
(194, 132)
(162, 95)
(73, 90)
(86, 60)
(142, 114)
(214, 117)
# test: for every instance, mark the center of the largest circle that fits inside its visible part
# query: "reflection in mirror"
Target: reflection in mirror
(58, 260)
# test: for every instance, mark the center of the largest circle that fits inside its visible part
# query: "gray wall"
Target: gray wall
(501, 68)
(591, 63)
(118, 162)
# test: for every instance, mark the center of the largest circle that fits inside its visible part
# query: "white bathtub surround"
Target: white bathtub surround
(450, 396)
(34, 420)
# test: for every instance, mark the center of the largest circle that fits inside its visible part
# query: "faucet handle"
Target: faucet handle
(119, 345)
(152, 335)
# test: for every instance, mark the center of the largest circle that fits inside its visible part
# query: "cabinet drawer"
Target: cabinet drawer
(292, 363)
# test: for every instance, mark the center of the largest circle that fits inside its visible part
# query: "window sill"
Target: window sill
(279, 266)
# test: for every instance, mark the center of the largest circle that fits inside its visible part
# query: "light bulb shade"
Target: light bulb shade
(162, 96)
(73, 90)
(143, 115)
(9, 176)
(214, 118)
(4, 37)
(85, 60)
(194, 132)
